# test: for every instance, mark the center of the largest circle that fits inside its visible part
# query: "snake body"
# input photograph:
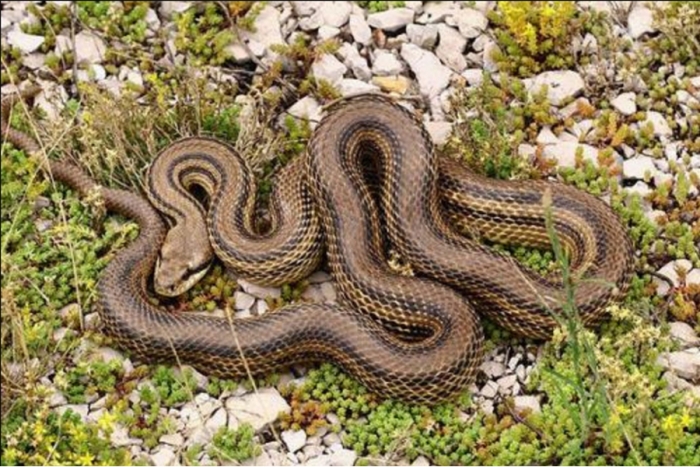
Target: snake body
(412, 338)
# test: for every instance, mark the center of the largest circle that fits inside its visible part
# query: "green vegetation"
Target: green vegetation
(234, 445)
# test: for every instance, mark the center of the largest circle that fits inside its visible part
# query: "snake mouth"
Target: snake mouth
(179, 287)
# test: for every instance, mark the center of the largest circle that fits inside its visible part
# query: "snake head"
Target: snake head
(183, 260)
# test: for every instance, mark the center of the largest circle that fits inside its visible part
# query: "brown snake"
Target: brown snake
(414, 338)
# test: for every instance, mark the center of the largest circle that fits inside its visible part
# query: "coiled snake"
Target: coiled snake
(412, 338)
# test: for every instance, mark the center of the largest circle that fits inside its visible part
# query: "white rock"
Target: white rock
(344, 457)
(258, 409)
(638, 168)
(505, 383)
(243, 300)
(168, 9)
(490, 49)
(57, 399)
(433, 77)
(693, 277)
(470, 22)
(386, 64)
(322, 460)
(420, 462)
(306, 8)
(546, 136)
(330, 439)
(660, 124)
(640, 188)
(267, 30)
(684, 333)
(351, 87)
(451, 47)
(437, 12)
(561, 85)
(683, 363)
(360, 30)
(669, 270)
(304, 108)
(327, 32)
(661, 178)
(490, 389)
(424, 37)
(474, 76)
(294, 440)
(439, 131)
(565, 153)
(335, 14)
(89, 48)
(27, 43)
(218, 420)
(261, 307)
(5, 24)
(120, 437)
(329, 292)
(391, 20)
(329, 68)
(640, 21)
(355, 62)
(163, 456)
(174, 439)
(625, 103)
(493, 369)
(523, 403)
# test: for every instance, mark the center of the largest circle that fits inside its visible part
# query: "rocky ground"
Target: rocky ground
(611, 122)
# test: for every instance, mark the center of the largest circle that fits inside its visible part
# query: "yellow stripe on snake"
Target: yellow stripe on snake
(417, 339)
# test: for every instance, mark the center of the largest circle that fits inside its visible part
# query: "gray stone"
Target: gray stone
(330, 439)
(640, 21)
(89, 48)
(329, 68)
(386, 64)
(470, 22)
(360, 30)
(243, 301)
(490, 50)
(267, 30)
(451, 47)
(344, 457)
(529, 403)
(684, 364)
(424, 37)
(433, 77)
(163, 456)
(638, 168)
(640, 188)
(437, 12)
(391, 20)
(565, 153)
(474, 76)
(294, 440)
(439, 131)
(669, 270)
(625, 103)
(258, 409)
(79, 409)
(546, 136)
(561, 85)
(661, 127)
(57, 399)
(27, 43)
(684, 334)
(693, 277)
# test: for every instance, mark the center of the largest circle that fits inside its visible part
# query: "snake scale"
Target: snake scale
(415, 338)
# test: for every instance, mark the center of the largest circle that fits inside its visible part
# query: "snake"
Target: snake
(416, 338)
